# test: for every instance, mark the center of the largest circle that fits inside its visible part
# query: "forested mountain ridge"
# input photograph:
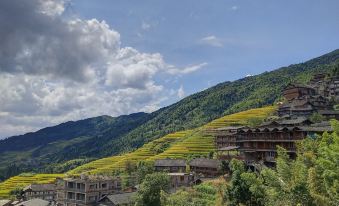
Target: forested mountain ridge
(38, 150)
(114, 137)
(222, 99)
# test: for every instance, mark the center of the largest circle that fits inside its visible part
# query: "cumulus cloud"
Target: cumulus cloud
(54, 69)
(211, 41)
(181, 92)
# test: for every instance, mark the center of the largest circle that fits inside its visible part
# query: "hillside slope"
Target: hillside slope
(129, 134)
(222, 99)
(62, 142)
(184, 144)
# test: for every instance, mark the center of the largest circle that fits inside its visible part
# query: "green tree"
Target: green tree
(323, 177)
(143, 168)
(150, 189)
(17, 193)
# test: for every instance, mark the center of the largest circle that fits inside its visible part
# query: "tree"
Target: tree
(150, 189)
(143, 168)
(323, 177)
(17, 192)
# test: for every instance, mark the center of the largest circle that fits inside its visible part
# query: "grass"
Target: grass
(182, 144)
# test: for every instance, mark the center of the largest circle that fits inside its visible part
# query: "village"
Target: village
(304, 113)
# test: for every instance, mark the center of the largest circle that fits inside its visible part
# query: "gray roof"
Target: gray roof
(123, 198)
(329, 112)
(317, 129)
(228, 148)
(294, 121)
(40, 187)
(204, 162)
(230, 128)
(170, 163)
(4, 202)
(34, 202)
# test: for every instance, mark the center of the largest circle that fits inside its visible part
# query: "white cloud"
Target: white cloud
(234, 8)
(181, 92)
(175, 71)
(211, 41)
(54, 70)
(145, 26)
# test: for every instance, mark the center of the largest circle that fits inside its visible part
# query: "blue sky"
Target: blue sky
(247, 36)
(63, 60)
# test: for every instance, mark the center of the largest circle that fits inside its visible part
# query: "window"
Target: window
(80, 196)
(80, 186)
(71, 195)
(92, 198)
(94, 186)
(71, 185)
(182, 178)
(104, 185)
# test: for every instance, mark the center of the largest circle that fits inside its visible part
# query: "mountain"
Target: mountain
(52, 144)
(183, 144)
(110, 136)
(222, 99)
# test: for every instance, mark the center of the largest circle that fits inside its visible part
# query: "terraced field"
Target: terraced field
(177, 145)
(109, 164)
(24, 180)
(241, 118)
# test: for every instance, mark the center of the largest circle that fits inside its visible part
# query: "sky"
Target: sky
(63, 60)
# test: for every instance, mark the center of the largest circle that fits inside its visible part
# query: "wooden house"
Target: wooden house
(170, 165)
(40, 191)
(121, 199)
(205, 167)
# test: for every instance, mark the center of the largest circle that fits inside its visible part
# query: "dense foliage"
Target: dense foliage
(150, 189)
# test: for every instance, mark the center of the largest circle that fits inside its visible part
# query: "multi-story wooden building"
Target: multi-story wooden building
(304, 105)
(226, 136)
(170, 165)
(205, 167)
(40, 191)
(86, 190)
(293, 91)
(259, 144)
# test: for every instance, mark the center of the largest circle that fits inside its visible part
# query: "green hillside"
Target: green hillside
(182, 144)
(222, 99)
(50, 148)
(113, 137)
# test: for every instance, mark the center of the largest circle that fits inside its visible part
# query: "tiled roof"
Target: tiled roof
(123, 198)
(204, 162)
(170, 163)
(34, 202)
(40, 187)
(4, 202)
